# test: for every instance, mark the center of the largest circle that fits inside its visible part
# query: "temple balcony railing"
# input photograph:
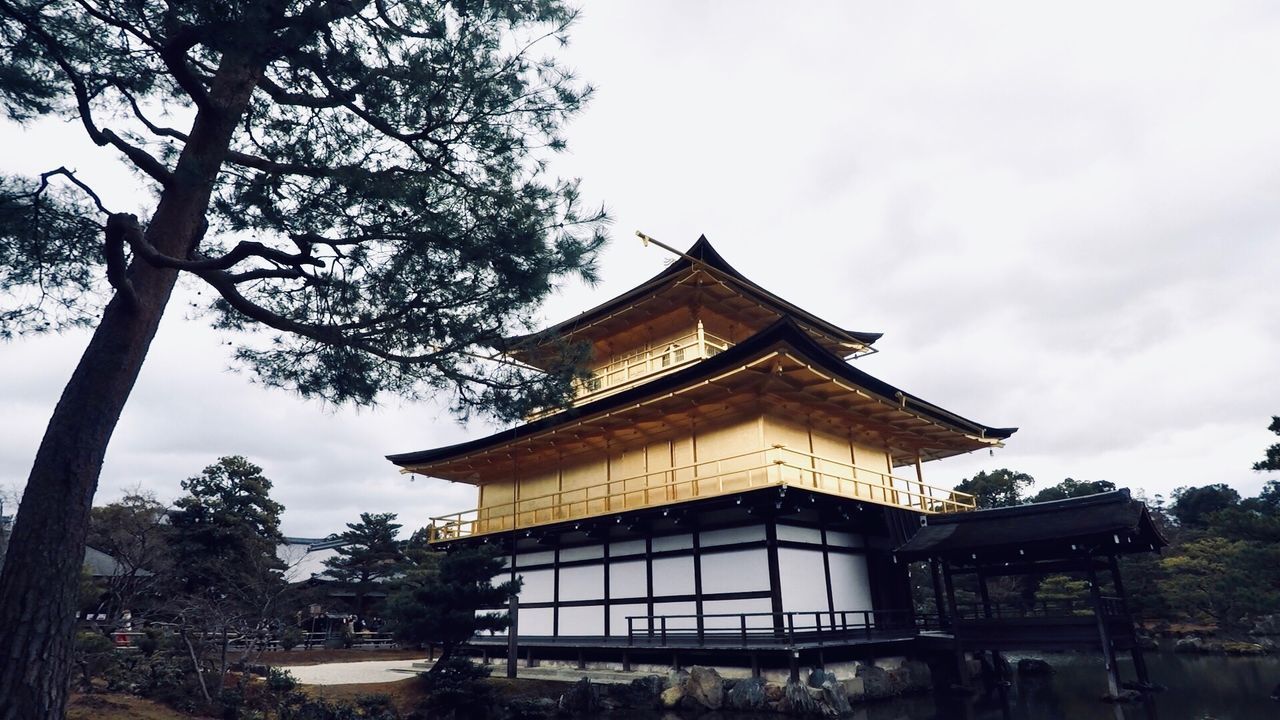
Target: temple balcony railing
(776, 466)
(644, 365)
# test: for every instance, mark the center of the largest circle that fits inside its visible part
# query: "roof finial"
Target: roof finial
(647, 239)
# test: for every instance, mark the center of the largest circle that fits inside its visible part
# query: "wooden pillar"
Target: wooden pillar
(983, 594)
(962, 671)
(938, 604)
(1139, 662)
(1104, 635)
(775, 575)
(513, 635)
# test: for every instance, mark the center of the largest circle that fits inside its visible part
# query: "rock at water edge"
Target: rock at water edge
(706, 686)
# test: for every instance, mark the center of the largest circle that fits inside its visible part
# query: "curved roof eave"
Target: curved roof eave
(704, 252)
(783, 331)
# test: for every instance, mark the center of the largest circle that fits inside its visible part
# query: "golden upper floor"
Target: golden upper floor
(697, 307)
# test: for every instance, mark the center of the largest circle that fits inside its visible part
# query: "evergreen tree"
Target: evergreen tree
(225, 531)
(133, 532)
(370, 556)
(998, 488)
(365, 182)
(225, 576)
(1222, 581)
(1192, 506)
(446, 608)
(421, 562)
(1271, 461)
(1071, 488)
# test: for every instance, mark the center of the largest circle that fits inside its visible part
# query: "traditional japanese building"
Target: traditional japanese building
(726, 471)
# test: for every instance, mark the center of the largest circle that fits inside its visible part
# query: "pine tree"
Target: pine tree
(446, 609)
(363, 182)
(369, 557)
(225, 576)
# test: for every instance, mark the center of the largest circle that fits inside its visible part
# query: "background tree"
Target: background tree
(1223, 581)
(225, 575)
(133, 531)
(364, 181)
(445, 610)
(998, 488)
(371, 556)
(1071, 488)
(1271, 460)
(1192, 506)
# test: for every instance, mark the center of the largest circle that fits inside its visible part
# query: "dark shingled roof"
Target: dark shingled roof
(782, 331)
(703, 252)
(1104, 523)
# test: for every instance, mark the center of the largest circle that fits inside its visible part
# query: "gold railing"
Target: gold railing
(774, 466)
(681, 351)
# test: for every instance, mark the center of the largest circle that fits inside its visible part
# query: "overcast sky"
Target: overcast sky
(1063, 219)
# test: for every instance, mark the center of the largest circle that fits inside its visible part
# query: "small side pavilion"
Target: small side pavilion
(1083, 535)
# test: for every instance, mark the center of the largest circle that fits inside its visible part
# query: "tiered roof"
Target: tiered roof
(794, 358)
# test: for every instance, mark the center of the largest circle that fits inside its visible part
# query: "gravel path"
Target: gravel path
(351, 673)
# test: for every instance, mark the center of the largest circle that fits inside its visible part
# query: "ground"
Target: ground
(115, 706)
(320, 656)
(408, 695)
(404, 695)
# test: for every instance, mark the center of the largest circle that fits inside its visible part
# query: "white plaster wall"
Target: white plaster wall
(535, 621)
(541, 557)
(736, 571)
(799, 534)
(839, 538)
(672, 542)
(584, 582)
(628, 579)
(755, 605)
(804, 584)
(673, 576)
(539, 586)
(586, 552)
(850, 582)
(618, 618)
(676, 608)
(626, 547)
(726, 536)
(585, 620)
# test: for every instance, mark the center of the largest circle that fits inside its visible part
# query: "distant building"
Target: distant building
(304, 558)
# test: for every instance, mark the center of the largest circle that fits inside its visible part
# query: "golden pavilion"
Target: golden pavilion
(725, 467)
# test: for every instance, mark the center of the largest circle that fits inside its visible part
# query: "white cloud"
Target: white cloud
(1062, 217)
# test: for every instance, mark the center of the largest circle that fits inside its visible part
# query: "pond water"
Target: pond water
(1199, 687)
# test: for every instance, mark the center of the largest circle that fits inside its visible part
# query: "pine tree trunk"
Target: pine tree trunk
(40, 580)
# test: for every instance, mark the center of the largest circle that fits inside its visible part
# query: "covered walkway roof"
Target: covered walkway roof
(1110, 523)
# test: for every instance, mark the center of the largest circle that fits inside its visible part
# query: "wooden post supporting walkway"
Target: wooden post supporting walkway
(1139, 662)
(1104, 635)
(962, 670)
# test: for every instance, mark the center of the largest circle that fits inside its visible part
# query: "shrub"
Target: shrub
(94, 653)
(280, 681)
(290, 638)
(456, 686)
(150, 641)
